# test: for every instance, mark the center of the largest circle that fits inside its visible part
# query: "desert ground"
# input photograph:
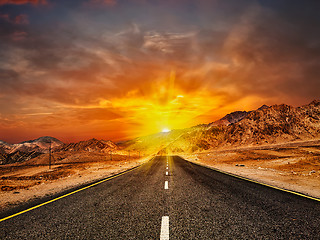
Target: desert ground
(21, 182)
(293, 166)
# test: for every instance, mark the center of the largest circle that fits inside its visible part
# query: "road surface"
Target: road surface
(169, 197)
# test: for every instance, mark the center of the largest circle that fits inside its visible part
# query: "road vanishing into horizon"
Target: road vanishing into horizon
(170, 198)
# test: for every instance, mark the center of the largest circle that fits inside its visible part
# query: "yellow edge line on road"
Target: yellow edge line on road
(264, 184)
(68, 194)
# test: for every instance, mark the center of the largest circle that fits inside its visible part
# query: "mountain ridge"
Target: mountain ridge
(91, 145)
(20, 152)
(234, 117)
(265, 125)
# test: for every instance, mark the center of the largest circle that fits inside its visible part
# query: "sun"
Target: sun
(165, 130)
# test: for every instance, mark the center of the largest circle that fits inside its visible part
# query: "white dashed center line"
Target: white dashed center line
(166, 185)
(167, 173)
(167, 168)
(164, 234)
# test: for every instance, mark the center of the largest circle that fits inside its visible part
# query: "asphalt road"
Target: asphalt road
(199, 203)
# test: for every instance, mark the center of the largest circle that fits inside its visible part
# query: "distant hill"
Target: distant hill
(152, 143)
(92, 145)
(10, 153)
(37, 145)
(41, 144)
(17, 156)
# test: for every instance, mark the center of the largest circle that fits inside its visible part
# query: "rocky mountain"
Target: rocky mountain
(263, 107)
(278, 123)
(234, 117)
(10, 153)
(230, 118)
(17, 156)
(37, 145)
(5, 147)
(41, 144)
(266, 125)
(92, 145)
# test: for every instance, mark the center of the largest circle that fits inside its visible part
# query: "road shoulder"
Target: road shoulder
(293, 182)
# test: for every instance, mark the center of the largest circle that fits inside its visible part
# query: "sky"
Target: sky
(119, 69)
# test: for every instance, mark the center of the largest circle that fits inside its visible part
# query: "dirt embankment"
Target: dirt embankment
(33, 179)
(291, 166)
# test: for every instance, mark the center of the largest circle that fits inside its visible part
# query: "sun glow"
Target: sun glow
(165, 130)
(163, 104)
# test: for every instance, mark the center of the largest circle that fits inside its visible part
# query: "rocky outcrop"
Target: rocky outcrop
(278, 123)
(92, 145)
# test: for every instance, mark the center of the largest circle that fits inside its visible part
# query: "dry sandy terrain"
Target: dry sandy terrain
(294, 166)
(23, 182)
(290, 166)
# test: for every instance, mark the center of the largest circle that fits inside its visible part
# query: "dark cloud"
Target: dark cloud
(9, 79)
(21, 2)
(275, 55)
(99, 3)
(20, 19)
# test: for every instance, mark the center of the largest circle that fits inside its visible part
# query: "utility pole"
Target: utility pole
(110, 155)
(50, 155)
